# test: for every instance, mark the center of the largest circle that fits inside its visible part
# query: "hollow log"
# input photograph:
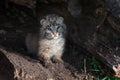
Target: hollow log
(104, 45)
(14, 66)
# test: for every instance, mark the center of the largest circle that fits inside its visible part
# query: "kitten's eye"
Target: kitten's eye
(58, 27)
(49, 28)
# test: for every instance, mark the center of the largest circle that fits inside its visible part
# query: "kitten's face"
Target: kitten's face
(53, 28)
(54, 31)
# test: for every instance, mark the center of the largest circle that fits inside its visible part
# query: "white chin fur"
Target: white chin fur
(56, 37)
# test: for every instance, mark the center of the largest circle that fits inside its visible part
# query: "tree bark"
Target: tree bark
(104, 45)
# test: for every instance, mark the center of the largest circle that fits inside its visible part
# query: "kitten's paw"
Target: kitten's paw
(57, 60)
(47, 63)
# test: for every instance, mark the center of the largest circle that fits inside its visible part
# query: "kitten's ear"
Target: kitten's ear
(60, 20)
(42, 21)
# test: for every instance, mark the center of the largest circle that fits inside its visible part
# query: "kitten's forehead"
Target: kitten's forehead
(53, 25)
(51, 17)
(52, 21)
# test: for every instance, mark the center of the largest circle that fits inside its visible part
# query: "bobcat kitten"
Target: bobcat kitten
(50, 41)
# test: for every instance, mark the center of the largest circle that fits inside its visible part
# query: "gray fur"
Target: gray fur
(50, 41)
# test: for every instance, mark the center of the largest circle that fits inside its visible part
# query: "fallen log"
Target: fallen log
(22, 69)
(104, 45)
(19, 67)
(101, 41)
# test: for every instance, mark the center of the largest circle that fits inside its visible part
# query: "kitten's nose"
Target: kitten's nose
(55, 33)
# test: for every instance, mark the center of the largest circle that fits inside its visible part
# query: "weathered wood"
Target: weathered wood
(114, 24)
(6, 69)
(24, 69)
(101, 41)
(104, 45)
(18, 67)
(28, 3)
(32, 3)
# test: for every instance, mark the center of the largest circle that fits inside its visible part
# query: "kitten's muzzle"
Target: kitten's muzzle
(55, 33)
